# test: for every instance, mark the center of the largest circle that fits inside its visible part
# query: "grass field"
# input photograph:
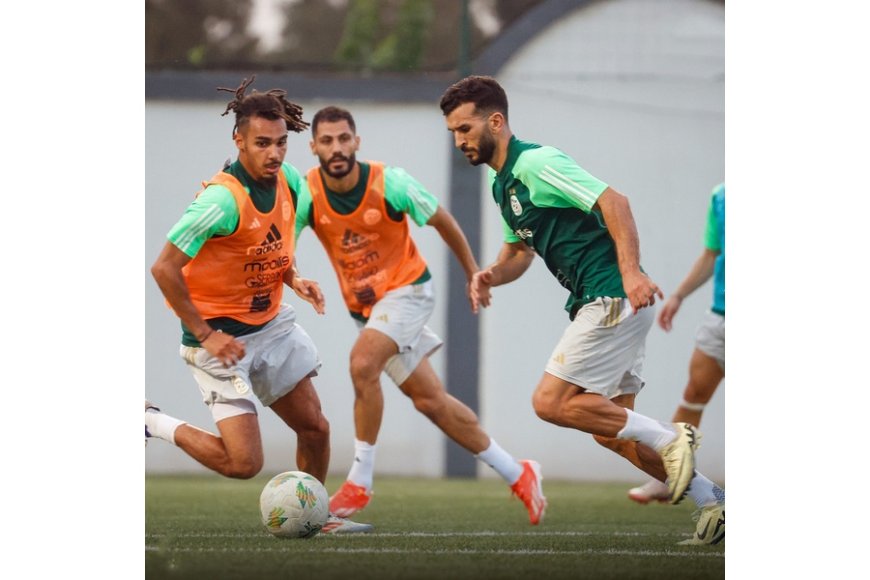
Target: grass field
(209, 527)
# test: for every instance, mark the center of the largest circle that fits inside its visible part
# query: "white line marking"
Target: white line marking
(483, 534)
(522, 552)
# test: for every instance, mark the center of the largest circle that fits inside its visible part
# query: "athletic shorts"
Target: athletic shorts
(277, 357)
(602, 350)
(402, 315)
(710, 338)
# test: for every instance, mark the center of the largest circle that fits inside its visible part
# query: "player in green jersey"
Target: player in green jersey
(585, 232)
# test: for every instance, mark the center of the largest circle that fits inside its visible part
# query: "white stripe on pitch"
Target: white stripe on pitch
(481, 534)
(565, 184)
(501, 552)
(205, 221)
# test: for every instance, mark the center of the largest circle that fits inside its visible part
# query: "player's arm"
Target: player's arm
(306, 289)
(169, 277)
(449, 230)
(216, 207)
(303, 201)
(700, 272)
(615, 210)
(513, 260)
(167, 272)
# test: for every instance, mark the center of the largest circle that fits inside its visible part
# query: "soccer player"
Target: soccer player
(585, 233)
(707, 365)
(222, 271)
(358, 211)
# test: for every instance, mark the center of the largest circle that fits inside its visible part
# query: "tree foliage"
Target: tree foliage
(198, 33)
(321, 35)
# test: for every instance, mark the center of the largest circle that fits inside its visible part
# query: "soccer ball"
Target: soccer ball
(294, 504)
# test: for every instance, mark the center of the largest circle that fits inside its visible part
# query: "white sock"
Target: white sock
(648, 431)
(362, 472)
(161, 425)
(704, 491)
(501, 461)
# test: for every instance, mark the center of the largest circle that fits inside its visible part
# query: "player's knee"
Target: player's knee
(316, 432)
(363, 370)
(244, 468)
(430, 406)
(547, 408)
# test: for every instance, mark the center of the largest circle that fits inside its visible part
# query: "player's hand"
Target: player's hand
(641, 291)
(669, 310)
(479, 290)
(309, 290)
(224, 347)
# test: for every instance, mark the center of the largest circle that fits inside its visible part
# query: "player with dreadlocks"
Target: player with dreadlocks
(222, 271)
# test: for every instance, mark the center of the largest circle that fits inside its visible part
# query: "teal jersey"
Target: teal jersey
(714, 239)
(548, 202)
(214, 213)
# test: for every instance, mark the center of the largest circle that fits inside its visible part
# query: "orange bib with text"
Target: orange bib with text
(371, 253)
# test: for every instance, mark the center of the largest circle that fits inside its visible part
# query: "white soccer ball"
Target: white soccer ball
(294, 504)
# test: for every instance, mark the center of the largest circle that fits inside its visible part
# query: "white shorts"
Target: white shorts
(277, 357)
(710, 338)
(402, 315)
(602, 350)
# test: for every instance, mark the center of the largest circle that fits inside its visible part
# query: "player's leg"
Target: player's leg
(706, 369)
(237, 452)
(448, 413)
(301, 411)
(393, 327)
(369, 356)
(462, 425)
(599, 358)
(705, 374)
(639, 455)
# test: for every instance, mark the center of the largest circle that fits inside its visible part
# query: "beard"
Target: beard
(349, 161)
(485, 150)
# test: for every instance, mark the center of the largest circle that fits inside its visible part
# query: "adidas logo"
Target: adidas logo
(273, 235)
(560, 358)
(382, 318)
(352, 241)
(272, 243)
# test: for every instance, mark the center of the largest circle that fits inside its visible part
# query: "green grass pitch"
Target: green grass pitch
(208, 527)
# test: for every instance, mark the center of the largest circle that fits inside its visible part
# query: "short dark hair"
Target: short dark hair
(271, 105)
(332, 114)
(485, 92)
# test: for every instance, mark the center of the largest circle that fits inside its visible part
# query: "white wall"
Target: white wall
(634, 91)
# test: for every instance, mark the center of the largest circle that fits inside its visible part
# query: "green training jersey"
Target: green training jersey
(548, 202)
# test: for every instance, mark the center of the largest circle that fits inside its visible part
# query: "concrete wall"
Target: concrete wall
(634, 91)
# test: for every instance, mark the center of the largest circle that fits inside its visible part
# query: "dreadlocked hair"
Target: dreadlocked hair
(270, 105)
